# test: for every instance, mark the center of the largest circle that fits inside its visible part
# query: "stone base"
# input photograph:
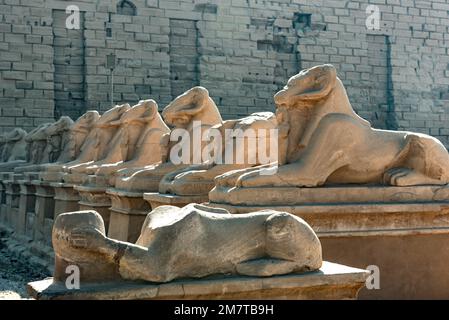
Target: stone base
(12, 199)
(3, 211)
(406, 240)
(66, 198)
(44, 210)
(347, 194)
(332, 281)
(51, 176)
(156, 199)
(27, 204)
(95, 198)
(128, 212)
(2, 193)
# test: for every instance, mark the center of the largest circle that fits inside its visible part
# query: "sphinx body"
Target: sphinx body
(190, 242)
(192, 108)
(29, 145)
(197, 180)
(97, 143)
(72, 142)
(326, 142)
(46, 143)
(140, 143)
(14, 146)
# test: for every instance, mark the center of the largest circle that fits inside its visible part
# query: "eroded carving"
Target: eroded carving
(190, 242)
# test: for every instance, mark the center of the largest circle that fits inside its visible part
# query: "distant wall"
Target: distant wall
(243, 51)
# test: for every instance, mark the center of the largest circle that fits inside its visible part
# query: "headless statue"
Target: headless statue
(323, 141)
(190, 242)
(189, 109)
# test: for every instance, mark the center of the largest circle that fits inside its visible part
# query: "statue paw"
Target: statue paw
(403, 177)
(252, 179)
(85, 238)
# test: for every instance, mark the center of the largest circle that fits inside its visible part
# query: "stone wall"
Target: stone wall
(243, 51)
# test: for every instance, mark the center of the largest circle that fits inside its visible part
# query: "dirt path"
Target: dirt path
(16, 273)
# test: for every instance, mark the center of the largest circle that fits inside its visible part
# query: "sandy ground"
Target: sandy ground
(16, 273)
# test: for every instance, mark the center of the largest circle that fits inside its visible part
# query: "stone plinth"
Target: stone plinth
(403, 231)
(156, 199)
(66, 198)
(44, 210)
(332, 281)
(95, 198)
(27, 205)
(2, 193)
(128, 212)
(12, 199)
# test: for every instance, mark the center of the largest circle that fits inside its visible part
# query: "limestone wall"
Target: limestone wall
(243, 51)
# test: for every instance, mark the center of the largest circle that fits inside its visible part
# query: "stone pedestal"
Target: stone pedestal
(2, 203)
(44, 210)
(26, 206)
(332, 281)
(66, 198)
(95, 198)
(128, 212)
(156, 199)
(12, 194)
(2, 193)
(404, 231)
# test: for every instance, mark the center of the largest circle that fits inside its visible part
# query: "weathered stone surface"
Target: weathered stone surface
(331, 281)
(80, 131)
(184, 112)
(140, 145)
(46, 143)
(198, 180)
(193, 106)
(258, 244)
(97, 146)
(14, 146)
(324, 141)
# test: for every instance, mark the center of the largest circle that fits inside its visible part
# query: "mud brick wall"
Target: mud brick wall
(243, 51)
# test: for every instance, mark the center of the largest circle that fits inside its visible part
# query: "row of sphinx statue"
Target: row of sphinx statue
(321, 141)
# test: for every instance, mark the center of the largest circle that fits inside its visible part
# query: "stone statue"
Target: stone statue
(14, 148)
(323, 141)
(191, 108)
(37, 144)
(2, 145)
(44, 144)
(76, 137)
(199, 179)
(58, 136)
(190, 242)
(139, 146)
(97, 143)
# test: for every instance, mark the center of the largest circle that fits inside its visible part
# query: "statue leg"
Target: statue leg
(407, 177)
(230, 178)
(425, 162)
(266, 267)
